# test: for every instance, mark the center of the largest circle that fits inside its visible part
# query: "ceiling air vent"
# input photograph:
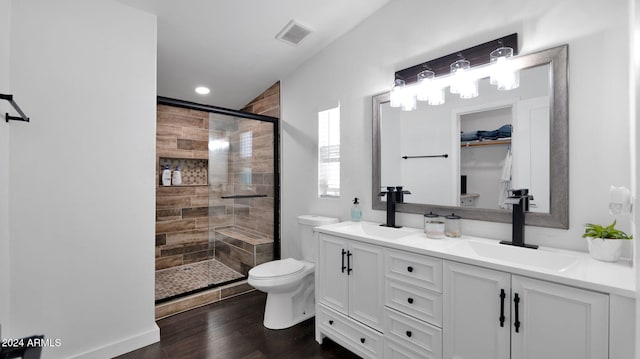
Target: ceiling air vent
(293, 33)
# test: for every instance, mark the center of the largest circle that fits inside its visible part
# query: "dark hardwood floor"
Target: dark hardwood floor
(232, 329)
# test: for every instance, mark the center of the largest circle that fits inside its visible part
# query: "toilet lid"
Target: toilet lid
(277, 268)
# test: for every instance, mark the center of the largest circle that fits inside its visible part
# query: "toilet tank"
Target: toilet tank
(306, 223)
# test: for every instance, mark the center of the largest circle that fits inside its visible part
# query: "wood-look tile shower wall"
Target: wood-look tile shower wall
(182, 212)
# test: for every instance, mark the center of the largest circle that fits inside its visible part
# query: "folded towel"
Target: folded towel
(469, 136)
(502, 132)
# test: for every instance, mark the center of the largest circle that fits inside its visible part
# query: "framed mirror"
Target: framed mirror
(462, 156)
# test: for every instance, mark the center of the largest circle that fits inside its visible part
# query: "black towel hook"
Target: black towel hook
(7, 117)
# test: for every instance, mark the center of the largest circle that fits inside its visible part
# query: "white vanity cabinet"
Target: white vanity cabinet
(349, 290)
(533, 319)
(409, 297)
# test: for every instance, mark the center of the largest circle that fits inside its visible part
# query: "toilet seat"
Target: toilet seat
(277, 269)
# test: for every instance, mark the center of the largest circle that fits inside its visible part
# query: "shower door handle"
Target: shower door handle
(343, 266)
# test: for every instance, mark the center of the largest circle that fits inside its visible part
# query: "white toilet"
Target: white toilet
(289, 282)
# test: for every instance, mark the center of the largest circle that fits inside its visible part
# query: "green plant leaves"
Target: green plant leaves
(608, 232)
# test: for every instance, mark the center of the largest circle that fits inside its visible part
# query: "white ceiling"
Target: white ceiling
(230, 46)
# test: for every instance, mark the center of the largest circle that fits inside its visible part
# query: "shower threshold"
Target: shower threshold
(187, 279)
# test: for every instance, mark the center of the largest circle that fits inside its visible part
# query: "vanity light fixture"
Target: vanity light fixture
(202, 90)
(427, 81)
(503, 74)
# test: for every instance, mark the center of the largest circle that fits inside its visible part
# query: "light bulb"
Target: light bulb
(503, 73)
(395, 98)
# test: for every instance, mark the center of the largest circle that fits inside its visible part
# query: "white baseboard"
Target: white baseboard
(124, 346)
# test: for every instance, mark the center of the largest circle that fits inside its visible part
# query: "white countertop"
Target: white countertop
(613, 278)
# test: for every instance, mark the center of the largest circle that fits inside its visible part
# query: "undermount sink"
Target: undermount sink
(539, 258)
(375, 230)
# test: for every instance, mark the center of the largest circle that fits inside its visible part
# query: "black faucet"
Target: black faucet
(519, 198)
(394, 195)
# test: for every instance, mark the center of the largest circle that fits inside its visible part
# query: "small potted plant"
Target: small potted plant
(605, 243)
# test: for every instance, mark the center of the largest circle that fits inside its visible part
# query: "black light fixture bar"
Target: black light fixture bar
(7, 117)
(476, 55)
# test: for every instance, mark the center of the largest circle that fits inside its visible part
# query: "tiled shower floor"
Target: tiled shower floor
(189, 277)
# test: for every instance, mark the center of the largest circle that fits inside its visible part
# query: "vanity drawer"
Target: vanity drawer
(396, 350)
(421, 338)
(422, 271)
(417, 302)
(354, 336)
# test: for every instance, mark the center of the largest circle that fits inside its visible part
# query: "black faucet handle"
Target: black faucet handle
(519, 192)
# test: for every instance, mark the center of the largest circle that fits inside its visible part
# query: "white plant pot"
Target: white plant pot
(608, 250)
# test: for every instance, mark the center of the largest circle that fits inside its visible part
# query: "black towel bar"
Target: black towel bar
(432, 156)
(244, 196)
(8, 117)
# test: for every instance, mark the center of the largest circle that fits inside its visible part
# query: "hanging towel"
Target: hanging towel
(505, 182)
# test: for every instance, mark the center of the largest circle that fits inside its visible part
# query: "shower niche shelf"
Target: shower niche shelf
(194, 171)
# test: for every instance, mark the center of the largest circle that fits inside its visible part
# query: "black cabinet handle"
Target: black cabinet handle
(410, 300)
(349, 269)
(409, 334)
(409, 269)
(343, 266)
(502, 296)
(331, 322)
(362, 340)
(516, 301)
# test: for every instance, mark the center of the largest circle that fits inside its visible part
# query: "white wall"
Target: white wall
(5, 12)
(82, 172)
(634, 27)
(362, 63)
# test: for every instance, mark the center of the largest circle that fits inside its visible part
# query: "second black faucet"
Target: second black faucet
(394, 195)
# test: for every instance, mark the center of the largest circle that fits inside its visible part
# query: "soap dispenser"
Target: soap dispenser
(176, 179)
(166, 176)
(356, 211)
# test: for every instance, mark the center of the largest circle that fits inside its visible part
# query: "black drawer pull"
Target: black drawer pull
(343, 266)
(362, 340)
(502, 318)
(410, 300)
(516, 301)
(331, 322)
(349, 268)
(409, 334)
(409, 269)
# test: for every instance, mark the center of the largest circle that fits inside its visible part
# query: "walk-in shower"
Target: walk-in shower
(223, 219)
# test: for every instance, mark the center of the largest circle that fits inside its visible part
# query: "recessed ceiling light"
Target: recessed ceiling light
(202, 90)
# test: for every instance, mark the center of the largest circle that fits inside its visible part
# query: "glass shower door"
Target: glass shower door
(241, 195)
